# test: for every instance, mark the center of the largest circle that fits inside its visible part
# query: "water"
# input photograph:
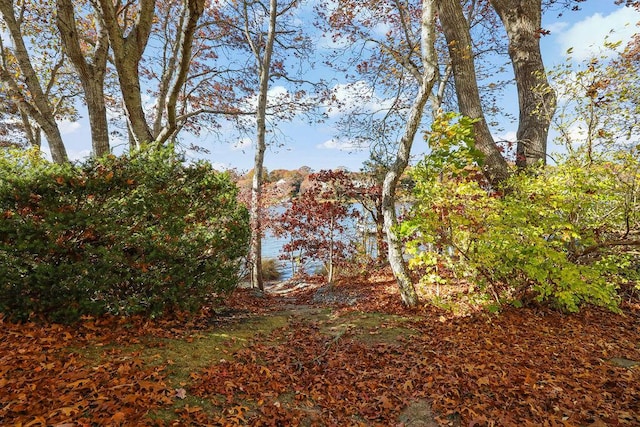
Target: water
(272, 249)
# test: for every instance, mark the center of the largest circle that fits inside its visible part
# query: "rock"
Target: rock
(624, 363)
(417, 414)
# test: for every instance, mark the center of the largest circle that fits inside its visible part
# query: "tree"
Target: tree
(370, 196)
(316, 221)
(191, 12)
(600, 104)
(264, 30)
(404, 62)
(90, 66)
(522, 21)
(598, 125)
(455, 27)
(32, 93)
(263, 53)
(428, 75)
(129, 30)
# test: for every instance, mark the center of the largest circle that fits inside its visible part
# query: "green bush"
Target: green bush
(556, 235)
(134, 234)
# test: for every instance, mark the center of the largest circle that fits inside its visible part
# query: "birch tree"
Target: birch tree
(428, 77)
(262, 51)
(270, 38)
(401, 63)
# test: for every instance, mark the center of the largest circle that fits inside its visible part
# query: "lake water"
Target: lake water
(272, 249)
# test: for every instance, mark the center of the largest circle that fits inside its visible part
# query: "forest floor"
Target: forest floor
(311, 355)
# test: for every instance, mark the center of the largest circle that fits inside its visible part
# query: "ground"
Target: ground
(313, 355)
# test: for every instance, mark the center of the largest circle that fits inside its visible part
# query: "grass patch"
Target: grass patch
(370, 328)
(185, 355)
(191, 354)
(204, 348)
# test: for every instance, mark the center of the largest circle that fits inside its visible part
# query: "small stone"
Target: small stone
(624, 363)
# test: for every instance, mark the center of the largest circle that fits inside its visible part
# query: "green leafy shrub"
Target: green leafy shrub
(556, 235)
(133, 234)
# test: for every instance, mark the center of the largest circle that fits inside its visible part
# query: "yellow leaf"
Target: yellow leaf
(265, 371)
(484, 381)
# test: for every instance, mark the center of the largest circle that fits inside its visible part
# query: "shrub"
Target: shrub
(315, 223)
(271, 269)
(132, 234)
(555, 236)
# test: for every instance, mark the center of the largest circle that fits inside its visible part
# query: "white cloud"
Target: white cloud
(79, 154)
(68, 127)
(280, 102)
(578, 132)
(586, 37)
(242, 144)
(556, 27)
(357, 96)
(219, 166)
(382, 28)
(277, 92)
(335, 144)
(328, 41)
(509, 136)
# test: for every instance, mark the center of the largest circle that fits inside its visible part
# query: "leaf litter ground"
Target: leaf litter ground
(346, 355)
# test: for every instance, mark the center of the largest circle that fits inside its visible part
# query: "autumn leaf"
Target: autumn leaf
(181, 393)
(118, 417)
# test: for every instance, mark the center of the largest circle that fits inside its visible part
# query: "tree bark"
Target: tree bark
(263, 59)
(127, 53)
(537, 101)
(429, 75)
(456, 30)
(380, 233)
(179, 68)
(39, 108)
(91, 74)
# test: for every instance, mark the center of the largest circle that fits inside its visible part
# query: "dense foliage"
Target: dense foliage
(315, 224)
(564, 234)
(132, 234)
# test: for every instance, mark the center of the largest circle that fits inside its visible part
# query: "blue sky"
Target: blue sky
(300, 144)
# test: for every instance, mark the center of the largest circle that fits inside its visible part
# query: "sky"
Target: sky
(316, 146)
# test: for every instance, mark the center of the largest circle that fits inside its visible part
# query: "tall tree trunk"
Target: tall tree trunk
(33, 131)
(179, 69)
(56, 144)
(380, 234)
(331, 251)
(264, 65)
(97, 109)
(429, 75)
(255, 248)
(537, 101)
(127, 53)
(91, 74)
(456, 30)
(39, 108)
